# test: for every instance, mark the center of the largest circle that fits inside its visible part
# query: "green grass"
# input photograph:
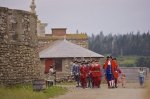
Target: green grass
(127, 60)
(26, 92)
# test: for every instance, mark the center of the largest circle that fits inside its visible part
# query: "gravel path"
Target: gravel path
(132, 91)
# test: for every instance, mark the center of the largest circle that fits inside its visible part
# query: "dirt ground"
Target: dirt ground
(132, 91)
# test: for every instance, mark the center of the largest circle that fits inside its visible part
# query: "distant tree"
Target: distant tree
(126, 44)
(143, 62)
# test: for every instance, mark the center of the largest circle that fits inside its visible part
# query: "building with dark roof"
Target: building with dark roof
(61, 53)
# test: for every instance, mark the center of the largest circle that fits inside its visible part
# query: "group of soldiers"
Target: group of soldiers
(89, 73)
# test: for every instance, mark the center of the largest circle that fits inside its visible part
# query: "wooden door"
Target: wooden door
(48, 63)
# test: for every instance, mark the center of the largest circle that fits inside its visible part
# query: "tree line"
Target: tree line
(143, 62)
(121, 44)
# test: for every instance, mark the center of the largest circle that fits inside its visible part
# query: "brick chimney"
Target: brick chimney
(59, 31)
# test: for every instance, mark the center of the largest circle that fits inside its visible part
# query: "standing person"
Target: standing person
(123, 80)
(104, 67)
(97, 74)
(141, 76)
(93, 75)
(76, 72)
(52, 74)
(116, 72)
(115, 64)
(109, 66)
(116, 75)
(83, 75)
(89, 75)
(51, 69)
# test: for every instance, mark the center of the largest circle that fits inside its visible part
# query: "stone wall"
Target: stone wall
(19, 62)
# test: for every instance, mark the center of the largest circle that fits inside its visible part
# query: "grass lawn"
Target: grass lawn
(26, 92)
(127, 60)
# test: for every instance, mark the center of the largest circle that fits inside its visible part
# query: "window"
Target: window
(58, 64)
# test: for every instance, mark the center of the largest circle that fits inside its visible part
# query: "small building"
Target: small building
(61, 53)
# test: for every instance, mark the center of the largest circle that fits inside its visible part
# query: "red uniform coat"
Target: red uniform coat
(83, 76)
(114, 65)
(83, 71)
(92, 70)
(97, 70)
(96, 75)
(116, 74)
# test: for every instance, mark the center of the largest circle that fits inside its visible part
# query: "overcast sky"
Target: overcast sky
(90, 16)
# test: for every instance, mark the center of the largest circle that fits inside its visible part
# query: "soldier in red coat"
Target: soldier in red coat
(116, 72)
(97, 74)
(83, 75)
(116, 75)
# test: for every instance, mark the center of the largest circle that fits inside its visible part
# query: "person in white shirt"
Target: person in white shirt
(141, 76)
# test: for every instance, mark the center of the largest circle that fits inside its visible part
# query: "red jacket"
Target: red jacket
(95, 70)
(114, 65)
(98, 70)
(116, 74)
(83, 71)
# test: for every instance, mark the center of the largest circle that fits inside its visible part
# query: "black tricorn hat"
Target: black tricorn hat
(75, 61)
(96, 61)
(79, 61)
(114, 58)
(108, 57)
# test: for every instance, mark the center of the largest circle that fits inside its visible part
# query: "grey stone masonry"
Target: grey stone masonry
(19, 60)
